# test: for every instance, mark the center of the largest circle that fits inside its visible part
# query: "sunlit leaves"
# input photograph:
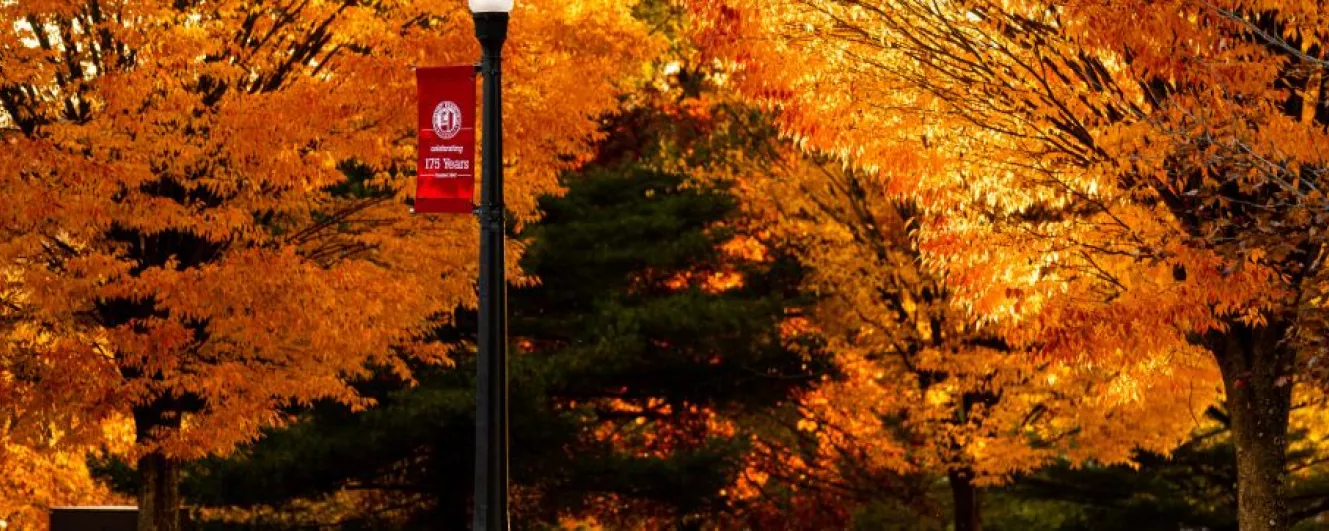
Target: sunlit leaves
(177, 239)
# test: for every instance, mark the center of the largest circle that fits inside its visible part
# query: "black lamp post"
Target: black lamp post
(491, 380)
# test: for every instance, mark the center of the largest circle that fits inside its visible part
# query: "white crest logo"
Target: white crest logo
(447, 120)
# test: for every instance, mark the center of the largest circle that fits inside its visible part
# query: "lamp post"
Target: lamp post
(491, 379)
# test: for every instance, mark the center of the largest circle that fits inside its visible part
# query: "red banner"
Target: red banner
(445, 166)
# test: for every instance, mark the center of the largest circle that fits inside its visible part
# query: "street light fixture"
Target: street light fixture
(491, 379)
(491, 6)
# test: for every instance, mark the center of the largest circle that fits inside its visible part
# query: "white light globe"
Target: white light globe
(491, 6)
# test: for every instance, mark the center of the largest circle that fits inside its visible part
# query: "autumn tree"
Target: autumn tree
(1096, 178)
(924, 389)
(180, 244)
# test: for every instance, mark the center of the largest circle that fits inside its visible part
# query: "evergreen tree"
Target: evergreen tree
(635, 359)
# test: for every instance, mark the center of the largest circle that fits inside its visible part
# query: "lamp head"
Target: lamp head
(491, 6)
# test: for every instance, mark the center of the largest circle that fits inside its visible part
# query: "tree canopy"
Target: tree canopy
(182, 246)
(830, 263)
(1095, 179)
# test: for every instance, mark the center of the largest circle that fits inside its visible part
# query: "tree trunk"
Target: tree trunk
(1256, 375)
(159, 493)
(966, 500)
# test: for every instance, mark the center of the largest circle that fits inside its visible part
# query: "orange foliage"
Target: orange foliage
(1101, 182)
(36, 480)
(1029, 129)
(925, 389)
(176, 235)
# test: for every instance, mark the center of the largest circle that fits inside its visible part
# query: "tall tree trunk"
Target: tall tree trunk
(1256, 372)
(965, 495)
(159, 493)
(159, 475)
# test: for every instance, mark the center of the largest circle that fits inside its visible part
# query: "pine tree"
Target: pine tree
(645, 342)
